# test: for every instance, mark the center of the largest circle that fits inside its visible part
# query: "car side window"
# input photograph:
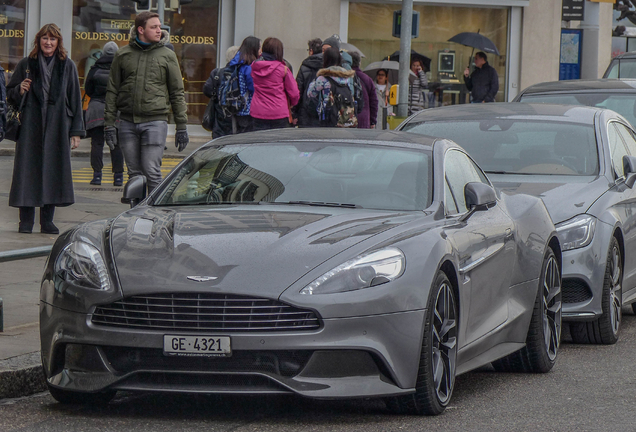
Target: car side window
(459, 170)
(617, 149)
(628, 138)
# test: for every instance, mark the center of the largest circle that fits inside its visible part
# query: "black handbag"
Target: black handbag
(14, 121)
(208, 116)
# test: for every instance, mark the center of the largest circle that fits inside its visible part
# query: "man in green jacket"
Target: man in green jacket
(144, 83)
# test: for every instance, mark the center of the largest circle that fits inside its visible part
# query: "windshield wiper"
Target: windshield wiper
(314, 203)
(497, 172)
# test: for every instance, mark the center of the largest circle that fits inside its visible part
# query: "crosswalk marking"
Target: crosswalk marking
(85, 175)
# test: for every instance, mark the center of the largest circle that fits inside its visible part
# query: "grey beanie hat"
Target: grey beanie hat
(110, 48)
(332, 41)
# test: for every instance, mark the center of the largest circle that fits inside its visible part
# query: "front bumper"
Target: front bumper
(583, 276)
(347, 357)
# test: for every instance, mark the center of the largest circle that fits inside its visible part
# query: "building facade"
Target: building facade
(530, 35)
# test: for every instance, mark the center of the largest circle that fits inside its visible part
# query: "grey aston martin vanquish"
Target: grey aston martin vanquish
(326, 263)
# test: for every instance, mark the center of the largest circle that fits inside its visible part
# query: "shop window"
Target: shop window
(12, 13)
(194, 34)
(370, 26)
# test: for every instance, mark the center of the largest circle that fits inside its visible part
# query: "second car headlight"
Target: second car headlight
(365, 271)
(84, 264)
(577, 232)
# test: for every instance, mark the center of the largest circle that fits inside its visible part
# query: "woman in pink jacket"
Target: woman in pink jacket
(275, 88)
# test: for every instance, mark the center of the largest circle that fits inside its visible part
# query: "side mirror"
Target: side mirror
(629, 168)
(479, 197)
(134, 191)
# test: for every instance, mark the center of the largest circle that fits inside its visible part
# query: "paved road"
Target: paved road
(591, 388)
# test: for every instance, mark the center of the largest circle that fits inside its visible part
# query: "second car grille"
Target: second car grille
(575, 291)
(204, 312)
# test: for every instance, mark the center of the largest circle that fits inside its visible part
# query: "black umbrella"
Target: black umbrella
(426, 62)
(475, 40)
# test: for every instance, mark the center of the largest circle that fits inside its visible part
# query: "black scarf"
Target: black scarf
(267, 56)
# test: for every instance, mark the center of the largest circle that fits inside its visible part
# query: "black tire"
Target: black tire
(76, 398)
(605, 330)
(436, 371)
(544, 333)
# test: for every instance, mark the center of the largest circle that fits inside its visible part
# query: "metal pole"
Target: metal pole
(161, 6)
(406, 27)
(1, 317)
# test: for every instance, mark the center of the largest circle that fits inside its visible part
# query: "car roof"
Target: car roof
(606, 84)
(511, 110)
(628, 55)
(361, 136)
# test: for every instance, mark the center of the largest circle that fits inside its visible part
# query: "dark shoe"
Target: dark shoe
(46, 220)
(118, 179)
(49, 228)
(25, 228)
(97, 179)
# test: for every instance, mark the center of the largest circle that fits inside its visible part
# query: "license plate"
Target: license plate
(197, 346)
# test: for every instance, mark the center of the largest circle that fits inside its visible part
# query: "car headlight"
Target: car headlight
(365, 271)
(576, 232)
(82, 263)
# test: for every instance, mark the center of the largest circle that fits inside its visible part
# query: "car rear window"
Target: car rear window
(519, 146)
(624, 104)
(625, 68)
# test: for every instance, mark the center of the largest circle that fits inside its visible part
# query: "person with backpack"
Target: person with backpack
(333, 96)
(306, 74)
(236, 87)
(275, 89)
(369, 113)
(95, 88)
(218, 122)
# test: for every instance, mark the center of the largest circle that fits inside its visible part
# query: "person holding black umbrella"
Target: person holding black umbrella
(416, 91)
(483, 83)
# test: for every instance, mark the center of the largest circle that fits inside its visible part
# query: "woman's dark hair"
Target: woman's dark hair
(249, 49)
(274, 47)
(331, 57)
(52, 31)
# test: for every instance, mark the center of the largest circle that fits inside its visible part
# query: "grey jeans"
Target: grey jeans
(142, 145)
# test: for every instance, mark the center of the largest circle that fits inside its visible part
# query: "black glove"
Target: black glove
(181, 139)
(110, 136)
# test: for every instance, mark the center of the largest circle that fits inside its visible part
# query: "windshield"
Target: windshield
(520, 146)
(624, 68)
(311, 173)
(624, 104)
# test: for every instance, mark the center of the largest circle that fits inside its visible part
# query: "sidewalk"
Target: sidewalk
(7, 148)
(20, 369)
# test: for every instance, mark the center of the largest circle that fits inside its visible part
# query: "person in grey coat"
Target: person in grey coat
(95, 88)
(52, 125)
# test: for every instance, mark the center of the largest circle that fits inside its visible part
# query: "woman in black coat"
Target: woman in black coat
(52, 125)
(95, 88)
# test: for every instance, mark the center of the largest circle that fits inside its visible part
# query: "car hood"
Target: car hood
(563, 197)
(255, 250)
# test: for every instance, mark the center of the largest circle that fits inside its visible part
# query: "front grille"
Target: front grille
(204, 312)
(575, 291)
(283, 363)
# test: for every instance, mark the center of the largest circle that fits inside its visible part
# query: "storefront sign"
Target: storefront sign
(122, 37)
(573, 10)
(117, 24)
(11, 33)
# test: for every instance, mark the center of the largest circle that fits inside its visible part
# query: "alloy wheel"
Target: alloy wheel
(444, 346)
(552, 308)
(615, 271)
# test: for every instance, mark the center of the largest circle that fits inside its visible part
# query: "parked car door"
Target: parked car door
(626, 203)
(486, 250)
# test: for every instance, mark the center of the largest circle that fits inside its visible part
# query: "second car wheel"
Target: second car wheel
(544, 333)
(605, 329)
(436, 372)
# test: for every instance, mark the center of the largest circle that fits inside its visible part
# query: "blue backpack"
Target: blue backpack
(231, 99)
